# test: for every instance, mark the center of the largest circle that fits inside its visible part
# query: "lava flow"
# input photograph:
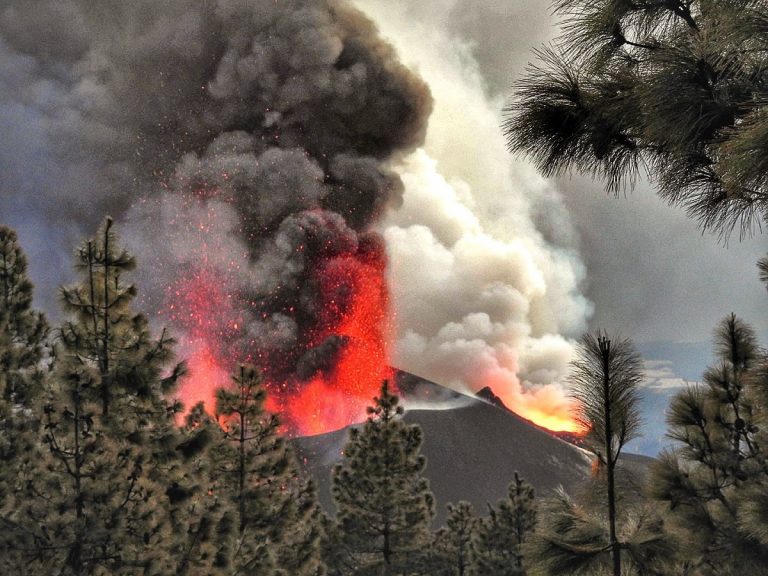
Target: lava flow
(550, 409)
(352, 320)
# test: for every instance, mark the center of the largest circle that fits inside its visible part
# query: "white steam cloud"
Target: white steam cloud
(485, 274)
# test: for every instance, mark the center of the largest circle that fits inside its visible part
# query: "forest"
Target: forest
(104, 472)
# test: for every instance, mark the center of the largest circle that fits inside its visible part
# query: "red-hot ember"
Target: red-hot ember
(330, 373)
(200, 306)
(353, 308)
(354, 300)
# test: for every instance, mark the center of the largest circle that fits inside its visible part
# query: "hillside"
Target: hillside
(473, 448)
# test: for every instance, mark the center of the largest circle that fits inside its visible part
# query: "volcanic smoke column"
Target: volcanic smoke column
(273, 258)
(246, 145)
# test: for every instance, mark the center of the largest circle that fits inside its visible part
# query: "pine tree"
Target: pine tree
(93, 499)
(713, 485)
(23, 330)
(201, 519)
(107, 335)
(274, 513)
(498, 545)
(609, 530)
(604, 384)
(452, 544)
(384, 505)
(676, 87)
(572, 539)
(23, 333)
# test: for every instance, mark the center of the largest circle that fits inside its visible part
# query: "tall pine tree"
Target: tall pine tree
(714, 484)
(452, 544)
(498, 545)
(384, 503)
(275, 517)
(605, 532)
(94, 501)
(23, 330)
(23, 333)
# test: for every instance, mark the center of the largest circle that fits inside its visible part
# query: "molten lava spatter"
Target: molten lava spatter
(354, 300)
(203, 310)
(324, 370)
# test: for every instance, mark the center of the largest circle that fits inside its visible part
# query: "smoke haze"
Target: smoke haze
(247, 148)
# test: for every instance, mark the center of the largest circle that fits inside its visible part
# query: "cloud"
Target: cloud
(651, 272)
(661, 375)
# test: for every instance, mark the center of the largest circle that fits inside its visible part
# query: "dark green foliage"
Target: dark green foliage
(201, 524)
(107, 335)
(274, 513)
(384, 503)
(604, 379)
(569, 539)
(23, 330)
(499, 540)
(91, 495)
(452, 544)
(23, 333)
(86, 502)
(573, 539)
(109, 483)
(677, 87)
(713, 483)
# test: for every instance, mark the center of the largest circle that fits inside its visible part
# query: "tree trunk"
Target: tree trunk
(610, 462)
(105, 371)
(241, 472)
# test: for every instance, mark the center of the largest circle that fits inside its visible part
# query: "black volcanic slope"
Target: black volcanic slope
(473, 448)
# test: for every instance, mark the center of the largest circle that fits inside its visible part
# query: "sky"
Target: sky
(494, 270)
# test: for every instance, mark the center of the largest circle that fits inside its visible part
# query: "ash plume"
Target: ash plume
(245, 145)
(266, 159)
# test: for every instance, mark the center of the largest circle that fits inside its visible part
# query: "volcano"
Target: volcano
(473, 446)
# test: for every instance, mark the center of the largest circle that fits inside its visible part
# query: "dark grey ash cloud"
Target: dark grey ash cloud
(281, 125)
(249, 139)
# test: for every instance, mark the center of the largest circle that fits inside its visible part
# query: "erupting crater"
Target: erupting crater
(342, 355)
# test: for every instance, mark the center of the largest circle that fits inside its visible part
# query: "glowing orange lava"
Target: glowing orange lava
(354, 307)
(201, 308)
(351, 306)
(548, 407)
(327, 378)
(206, 375)
(553, 422)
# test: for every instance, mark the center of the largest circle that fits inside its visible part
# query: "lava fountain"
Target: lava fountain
(325, 375)
(354, 316)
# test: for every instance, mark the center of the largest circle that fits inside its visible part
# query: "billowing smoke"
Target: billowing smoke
(247, 147)
(254, 151)
(485, 271)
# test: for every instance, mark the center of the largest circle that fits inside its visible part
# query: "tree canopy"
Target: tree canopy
(675, 88)
(383, 500)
